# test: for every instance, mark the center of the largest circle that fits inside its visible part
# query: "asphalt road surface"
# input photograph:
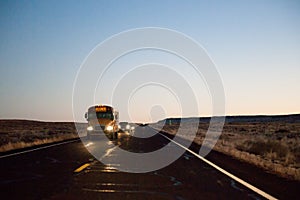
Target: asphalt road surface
(69, 171)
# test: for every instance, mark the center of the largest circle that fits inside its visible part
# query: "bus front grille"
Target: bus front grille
(99, 128)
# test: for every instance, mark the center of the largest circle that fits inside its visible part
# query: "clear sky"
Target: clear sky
(254, 44)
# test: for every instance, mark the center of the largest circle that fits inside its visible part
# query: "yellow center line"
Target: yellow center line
(82, 167)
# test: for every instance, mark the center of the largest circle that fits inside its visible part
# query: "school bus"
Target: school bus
(102, 119)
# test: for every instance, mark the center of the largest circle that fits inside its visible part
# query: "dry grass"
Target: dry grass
(16, 134)
(19, 145)
(273, 146)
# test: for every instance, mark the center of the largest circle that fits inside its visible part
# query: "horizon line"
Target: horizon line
(171, 117)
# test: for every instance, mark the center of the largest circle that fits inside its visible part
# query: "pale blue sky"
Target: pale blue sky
(255, 45)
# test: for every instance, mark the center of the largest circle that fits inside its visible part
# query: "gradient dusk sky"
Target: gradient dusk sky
(254, 44)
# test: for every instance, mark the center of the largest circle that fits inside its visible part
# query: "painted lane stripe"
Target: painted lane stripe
(82, 168)
(248, 185)
(39, 148)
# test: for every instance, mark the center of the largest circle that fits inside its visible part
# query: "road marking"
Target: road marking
(248, 185)
(89, 144)
(39, 148)
(108, 151)
(82, 168)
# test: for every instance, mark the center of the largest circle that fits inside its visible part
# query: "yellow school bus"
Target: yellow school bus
(102, 119)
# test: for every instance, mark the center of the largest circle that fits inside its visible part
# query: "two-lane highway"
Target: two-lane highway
(69, 171)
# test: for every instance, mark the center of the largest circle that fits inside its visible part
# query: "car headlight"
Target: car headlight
(132, 128)
(109, 128)
(127, 126)
(90, 128)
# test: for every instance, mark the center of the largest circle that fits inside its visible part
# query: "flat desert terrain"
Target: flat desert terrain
(17, 134)
(269, 142)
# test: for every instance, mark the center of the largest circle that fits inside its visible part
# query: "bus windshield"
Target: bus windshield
(105, 115)
(101, 115)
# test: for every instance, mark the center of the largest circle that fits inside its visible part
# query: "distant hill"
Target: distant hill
(293, 118)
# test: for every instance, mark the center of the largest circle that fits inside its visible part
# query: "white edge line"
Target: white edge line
(39, 148)
(248, 185)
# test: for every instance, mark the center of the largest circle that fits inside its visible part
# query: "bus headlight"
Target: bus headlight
(109, 128)
(90, 128)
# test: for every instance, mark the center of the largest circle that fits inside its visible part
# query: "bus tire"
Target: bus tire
(116, 135)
